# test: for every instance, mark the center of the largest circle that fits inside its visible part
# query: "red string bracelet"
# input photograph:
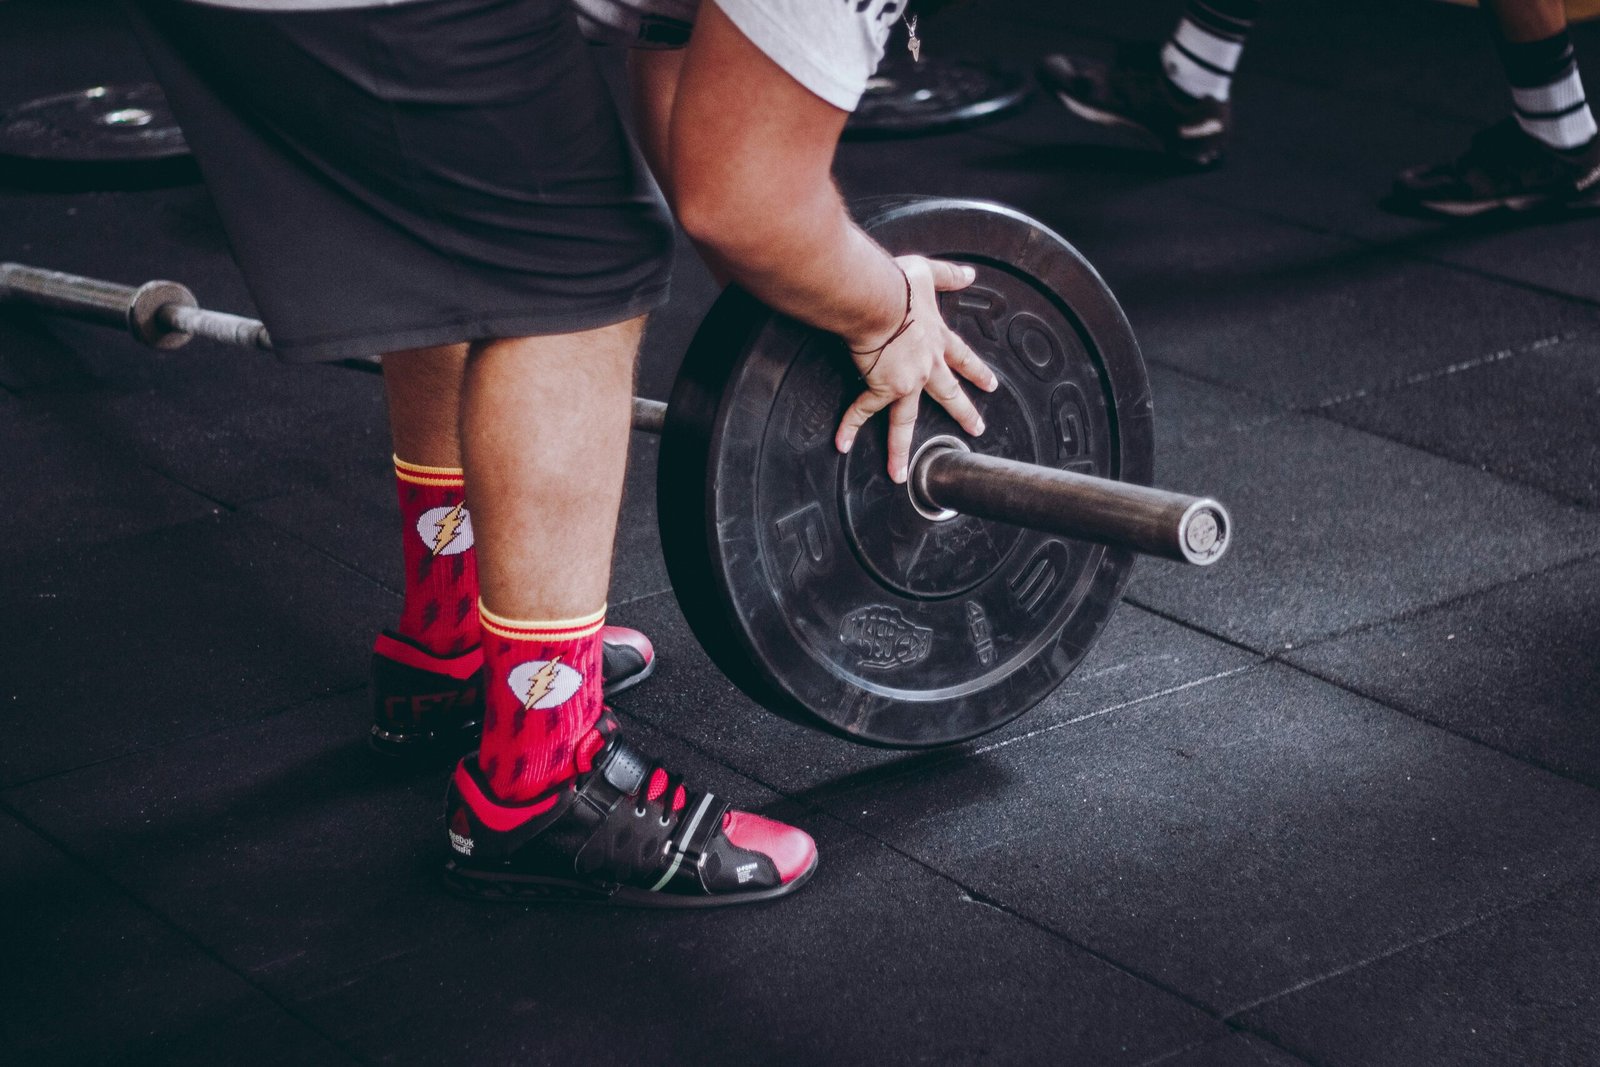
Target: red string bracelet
(905, 324)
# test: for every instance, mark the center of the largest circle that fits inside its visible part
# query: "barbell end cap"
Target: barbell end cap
(1204, 532)
(145, 321)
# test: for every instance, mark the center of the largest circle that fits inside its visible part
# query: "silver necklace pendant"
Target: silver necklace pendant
(913, 42)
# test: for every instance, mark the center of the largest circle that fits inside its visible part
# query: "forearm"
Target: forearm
(749, 157)
(807, 259)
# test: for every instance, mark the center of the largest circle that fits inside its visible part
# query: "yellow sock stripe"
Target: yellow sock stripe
(417, 474)
(557, 630)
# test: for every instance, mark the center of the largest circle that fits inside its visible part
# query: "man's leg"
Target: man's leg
(555, 803)
(427, 685)
(1545, 154)
(426, 672)
(545, 424)
(1177, 94)
(440, 612)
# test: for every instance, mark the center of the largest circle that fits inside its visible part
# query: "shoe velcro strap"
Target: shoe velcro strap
(619, 771)
(702, 820)
(625, 768)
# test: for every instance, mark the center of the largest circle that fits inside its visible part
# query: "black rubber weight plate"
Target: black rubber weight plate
(109, 134)
(809, 576)
(906, 99)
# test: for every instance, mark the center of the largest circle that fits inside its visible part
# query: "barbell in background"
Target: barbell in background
(165, 315)
(898, 615)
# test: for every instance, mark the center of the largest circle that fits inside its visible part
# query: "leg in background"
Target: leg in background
(1546, 90)
(1207, 44)
(1545, 155)
(1175, 94)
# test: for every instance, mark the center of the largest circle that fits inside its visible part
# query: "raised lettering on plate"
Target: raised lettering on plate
(803, 530)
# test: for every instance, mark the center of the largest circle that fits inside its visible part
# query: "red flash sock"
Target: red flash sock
(543, 695)
(440, 611)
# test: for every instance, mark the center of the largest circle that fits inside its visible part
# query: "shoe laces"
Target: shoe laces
(661, 782)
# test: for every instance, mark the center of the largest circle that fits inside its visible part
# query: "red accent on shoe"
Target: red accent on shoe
(460, 667)
(621, 635)
(791, 849)
(588, 748)
(679, 799)
(658, 785)
(496, 816)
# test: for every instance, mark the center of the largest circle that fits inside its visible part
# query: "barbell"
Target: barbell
(901, 615)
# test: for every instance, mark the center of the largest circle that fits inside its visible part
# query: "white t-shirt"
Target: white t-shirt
(832, 47)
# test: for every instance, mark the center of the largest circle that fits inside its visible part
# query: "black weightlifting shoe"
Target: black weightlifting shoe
(424, 704)
(1504, 169)
(1134, 92)
(626, 658)
(624, 833)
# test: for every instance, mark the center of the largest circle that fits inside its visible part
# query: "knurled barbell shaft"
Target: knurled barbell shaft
(1156, 522)
(165, 314)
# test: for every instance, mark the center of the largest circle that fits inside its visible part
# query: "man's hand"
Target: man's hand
(927, 356)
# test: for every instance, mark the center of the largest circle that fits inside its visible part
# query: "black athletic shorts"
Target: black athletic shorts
(414, 174)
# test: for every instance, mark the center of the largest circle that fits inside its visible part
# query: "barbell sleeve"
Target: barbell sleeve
(1153, 521)
(216, 326)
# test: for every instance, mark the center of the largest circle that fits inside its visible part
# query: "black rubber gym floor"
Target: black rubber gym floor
(1334, 801)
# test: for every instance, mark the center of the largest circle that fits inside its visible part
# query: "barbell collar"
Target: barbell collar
(1152, 521)
(140, 311)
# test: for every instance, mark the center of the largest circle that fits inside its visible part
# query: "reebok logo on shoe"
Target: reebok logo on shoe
(460, 829)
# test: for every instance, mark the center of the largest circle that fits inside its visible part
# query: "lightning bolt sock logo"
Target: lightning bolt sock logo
(449, 526)
(440, 567)
(540, 684)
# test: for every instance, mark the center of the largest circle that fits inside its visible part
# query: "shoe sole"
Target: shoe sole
(1113, 120)
(1099, 117)
(526, 889)
(1514, 204)
(413, 747)
(1465, 209)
